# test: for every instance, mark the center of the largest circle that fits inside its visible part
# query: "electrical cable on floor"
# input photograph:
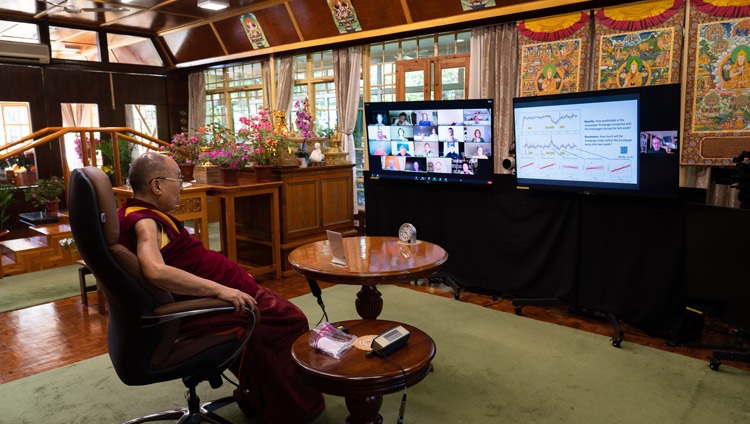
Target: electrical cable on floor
(402, 408)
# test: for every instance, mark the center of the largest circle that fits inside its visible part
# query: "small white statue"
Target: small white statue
(317, 155)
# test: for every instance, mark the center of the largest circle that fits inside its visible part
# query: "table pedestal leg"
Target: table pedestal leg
(369, 302)
(364, 410)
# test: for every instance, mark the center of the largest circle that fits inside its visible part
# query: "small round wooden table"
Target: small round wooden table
(361, 380)
(370, 261)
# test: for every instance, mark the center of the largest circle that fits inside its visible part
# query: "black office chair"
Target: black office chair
(144, 320)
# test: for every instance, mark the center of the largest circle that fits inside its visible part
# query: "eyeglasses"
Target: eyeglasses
(179, 178)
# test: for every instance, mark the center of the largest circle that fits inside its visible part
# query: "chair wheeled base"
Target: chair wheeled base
(195, 412)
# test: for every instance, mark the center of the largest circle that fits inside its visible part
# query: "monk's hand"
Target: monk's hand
(237, 298)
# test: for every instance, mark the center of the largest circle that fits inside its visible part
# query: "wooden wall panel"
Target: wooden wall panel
(25, 84)
(193, 44)
(314, 19)
(422, 10)
(139, 89)
(277, 25)
(380, 14)
(233, 35)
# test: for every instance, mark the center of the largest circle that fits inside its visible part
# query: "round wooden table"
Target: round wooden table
(370, 261)
(361, 380)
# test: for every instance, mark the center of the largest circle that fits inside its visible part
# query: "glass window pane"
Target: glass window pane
(300, 67)
(15, 121)
(214, 79)
(133, 50)
(19, 32)
(74, 44)
(463, 42)
(409, 49)
(446, 44)
(426, 47)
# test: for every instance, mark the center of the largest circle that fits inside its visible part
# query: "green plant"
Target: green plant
(45, 190)
(6, 199)
(126, 156)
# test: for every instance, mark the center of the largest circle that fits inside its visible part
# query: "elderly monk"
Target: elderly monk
(174, 260)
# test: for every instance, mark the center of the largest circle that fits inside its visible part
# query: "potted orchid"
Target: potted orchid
(266, 144)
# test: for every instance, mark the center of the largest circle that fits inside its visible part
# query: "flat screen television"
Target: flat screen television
(442, 141)
(623, 141)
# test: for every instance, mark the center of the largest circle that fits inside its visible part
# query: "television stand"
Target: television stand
(736, 353)
(616, 340)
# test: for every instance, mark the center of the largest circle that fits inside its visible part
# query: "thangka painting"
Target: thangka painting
(467, 5)
(636, 59)
(254, 31)
(344, 16)
(718, 90)
(551, 54)
(638, 44)
(722, 77)
(550, 68)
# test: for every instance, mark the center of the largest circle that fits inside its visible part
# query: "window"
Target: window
(15, 121)
(133, 50)
(74, 44)
(18, 32)
(233, 92)
(313, 79)
(142, 118)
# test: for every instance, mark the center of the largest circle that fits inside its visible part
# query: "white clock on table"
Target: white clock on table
(407, 234)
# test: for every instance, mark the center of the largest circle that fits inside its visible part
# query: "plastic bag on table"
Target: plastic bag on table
(330, 340)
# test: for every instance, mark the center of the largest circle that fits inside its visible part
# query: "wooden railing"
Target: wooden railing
(88, 151)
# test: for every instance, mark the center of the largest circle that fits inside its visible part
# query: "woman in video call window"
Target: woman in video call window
(424, 121)
(480, 153)
(477, 137)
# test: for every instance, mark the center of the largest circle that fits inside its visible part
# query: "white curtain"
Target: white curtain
(347, 71)
(493, 76)
(284, 84)
(197, 100)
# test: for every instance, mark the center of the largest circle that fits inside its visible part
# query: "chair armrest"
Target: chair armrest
(176, 310)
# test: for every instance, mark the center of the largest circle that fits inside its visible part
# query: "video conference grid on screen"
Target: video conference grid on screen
(436, 142)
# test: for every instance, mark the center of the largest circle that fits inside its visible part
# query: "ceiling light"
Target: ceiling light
(213, 4)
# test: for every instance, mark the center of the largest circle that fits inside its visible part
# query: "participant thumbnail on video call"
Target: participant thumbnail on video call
(444, 141)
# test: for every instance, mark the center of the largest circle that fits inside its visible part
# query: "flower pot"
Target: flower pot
(230, 176)
(263, 173)
(25, 179)
(207, 174)
(187, 170)
(52, 206)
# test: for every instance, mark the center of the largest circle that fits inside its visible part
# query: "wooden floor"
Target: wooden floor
(45, 337)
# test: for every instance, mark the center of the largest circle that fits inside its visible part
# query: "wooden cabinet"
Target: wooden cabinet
(313, 200)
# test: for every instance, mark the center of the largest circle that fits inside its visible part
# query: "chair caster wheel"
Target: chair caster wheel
(714, 364)
(616, 342)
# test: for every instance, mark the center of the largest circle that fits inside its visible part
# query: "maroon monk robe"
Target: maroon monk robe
(269, 385)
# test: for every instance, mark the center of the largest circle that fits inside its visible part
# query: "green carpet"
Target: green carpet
(490, 367)
(39, 287)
